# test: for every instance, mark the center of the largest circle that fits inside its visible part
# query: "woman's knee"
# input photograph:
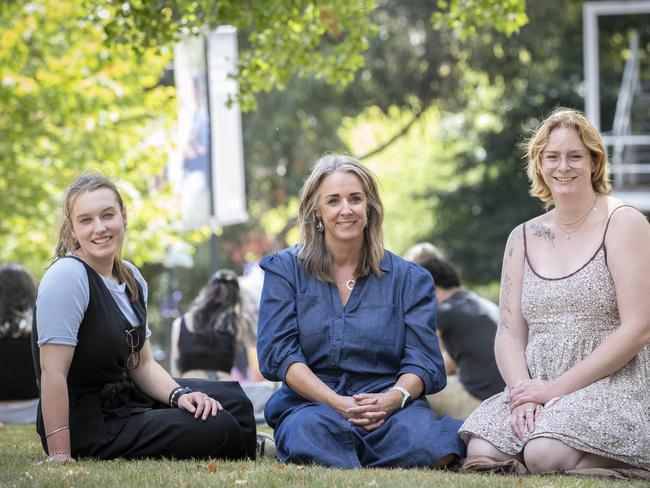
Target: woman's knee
(479, 447)
(543, 455)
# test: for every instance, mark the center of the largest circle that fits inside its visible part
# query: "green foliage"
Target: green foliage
(536, 69)
(285, 38)
(72, 105)
(467, 17)
(80, 91)
(414, 76)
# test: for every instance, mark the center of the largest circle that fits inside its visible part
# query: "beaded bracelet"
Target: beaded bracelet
(175, 395)
(58, 453)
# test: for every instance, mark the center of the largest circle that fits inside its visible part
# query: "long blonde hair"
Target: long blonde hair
(313, 252)
(68, 244)
(570, 119)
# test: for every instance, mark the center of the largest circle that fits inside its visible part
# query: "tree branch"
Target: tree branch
(399, 134)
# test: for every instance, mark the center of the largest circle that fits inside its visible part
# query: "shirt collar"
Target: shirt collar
(386, 263)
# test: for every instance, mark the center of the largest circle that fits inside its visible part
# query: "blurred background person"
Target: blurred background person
(18, 389)
(466, 325)
(205, 339)
(215, 339)
(422, 252)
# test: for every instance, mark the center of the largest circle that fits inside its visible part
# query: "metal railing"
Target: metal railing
(624, 143)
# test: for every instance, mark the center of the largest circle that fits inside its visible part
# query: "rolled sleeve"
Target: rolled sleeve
(422, 355)
(278, 346)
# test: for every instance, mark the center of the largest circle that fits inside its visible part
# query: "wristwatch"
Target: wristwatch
(404, 392)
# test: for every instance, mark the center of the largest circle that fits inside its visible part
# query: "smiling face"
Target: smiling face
(343, 208)
(98, 224)
(567, 164)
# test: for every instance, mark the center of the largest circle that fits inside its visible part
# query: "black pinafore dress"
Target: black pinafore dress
(109, 417)
(101, 397)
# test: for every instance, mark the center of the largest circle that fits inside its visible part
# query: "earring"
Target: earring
(319, 226)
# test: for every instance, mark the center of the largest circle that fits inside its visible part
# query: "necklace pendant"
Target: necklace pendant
(568, 236)
(350, 284)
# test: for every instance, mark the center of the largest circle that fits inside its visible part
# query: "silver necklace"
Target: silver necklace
(350, 284)
(581, 219)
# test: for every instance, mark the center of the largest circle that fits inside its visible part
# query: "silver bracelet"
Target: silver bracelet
(56, 430)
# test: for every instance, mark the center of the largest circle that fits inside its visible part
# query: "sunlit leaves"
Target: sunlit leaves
(285, 38)
(70, 104)
(467, 17)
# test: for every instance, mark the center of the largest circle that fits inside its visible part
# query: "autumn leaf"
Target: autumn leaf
(212, 467)
(80, 474)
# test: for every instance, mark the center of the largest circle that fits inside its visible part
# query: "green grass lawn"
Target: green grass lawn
(20, 449)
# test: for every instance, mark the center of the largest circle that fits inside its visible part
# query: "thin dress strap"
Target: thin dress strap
(525, 247)
(607, 227)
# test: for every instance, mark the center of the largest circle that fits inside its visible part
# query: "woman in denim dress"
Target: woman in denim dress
(349, 329)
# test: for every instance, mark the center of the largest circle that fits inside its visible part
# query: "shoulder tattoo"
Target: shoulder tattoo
(543, 232)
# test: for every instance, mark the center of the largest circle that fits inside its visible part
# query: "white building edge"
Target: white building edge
(628, 141)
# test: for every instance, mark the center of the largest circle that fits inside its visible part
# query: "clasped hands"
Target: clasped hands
(369, 410)
(525, 399)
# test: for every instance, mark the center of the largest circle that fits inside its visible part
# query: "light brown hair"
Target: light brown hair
(314, 252)
(535, 144)
(67, 243)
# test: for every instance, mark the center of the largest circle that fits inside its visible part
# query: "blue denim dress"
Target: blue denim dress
(386, 329)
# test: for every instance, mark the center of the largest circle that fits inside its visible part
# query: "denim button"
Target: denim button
(338, 315)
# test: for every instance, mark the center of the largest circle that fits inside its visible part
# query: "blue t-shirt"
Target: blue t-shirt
(63, 297)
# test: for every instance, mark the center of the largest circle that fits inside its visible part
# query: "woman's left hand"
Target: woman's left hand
(535, 391)
(200, 404)
(372, 409)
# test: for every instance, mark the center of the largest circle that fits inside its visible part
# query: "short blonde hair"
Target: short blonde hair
(535, 144)
(313, 252)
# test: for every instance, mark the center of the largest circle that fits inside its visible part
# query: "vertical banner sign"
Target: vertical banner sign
(207, 170)
(190, 171)
(228, 185)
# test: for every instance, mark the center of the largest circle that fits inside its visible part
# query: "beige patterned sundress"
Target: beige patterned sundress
(567, 319)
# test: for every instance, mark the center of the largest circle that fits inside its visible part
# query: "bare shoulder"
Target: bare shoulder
(628, 233)
(515, 243)
(626, 218)
(517, 234)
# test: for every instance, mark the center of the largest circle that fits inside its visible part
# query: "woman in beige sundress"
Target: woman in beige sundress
(573, 343)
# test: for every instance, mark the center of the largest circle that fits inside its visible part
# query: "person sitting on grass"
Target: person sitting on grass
(18, 390)
(573, 343)
(467, 324)
(349, 328)
(102, 395)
